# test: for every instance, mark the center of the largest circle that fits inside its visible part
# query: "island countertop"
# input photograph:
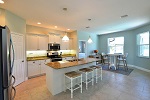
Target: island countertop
(66, 64)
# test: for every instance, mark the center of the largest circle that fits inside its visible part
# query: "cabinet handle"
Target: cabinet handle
(33, 62)
(22, 60)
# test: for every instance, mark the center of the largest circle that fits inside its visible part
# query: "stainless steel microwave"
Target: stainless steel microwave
(53, 47)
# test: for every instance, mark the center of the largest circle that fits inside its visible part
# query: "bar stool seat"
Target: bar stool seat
(98, 72)
(72, 76)
(86, 72)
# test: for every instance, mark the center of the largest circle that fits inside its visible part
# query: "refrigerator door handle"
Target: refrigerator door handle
(13, 57)
(14, 79)
(13, 97)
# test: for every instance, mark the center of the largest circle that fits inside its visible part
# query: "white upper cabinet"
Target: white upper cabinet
(36, 42)
(66, 45)
(70, 43)
(54, 38)
(32, 42)
(43, 42)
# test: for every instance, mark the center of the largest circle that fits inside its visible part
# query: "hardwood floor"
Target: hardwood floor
(114, 86)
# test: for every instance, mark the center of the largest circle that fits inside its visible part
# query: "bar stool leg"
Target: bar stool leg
(71, 89)
(86, 80)
(81, 84)
(65, 83)
(92, 77)
(96, 75)
(101, 73)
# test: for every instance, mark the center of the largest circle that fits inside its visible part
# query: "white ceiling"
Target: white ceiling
(104, 14)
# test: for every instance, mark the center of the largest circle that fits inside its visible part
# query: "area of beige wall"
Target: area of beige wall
(15, 23)
(2, 17)
(41, 30)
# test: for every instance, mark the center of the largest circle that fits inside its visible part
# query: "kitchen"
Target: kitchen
(31, 40)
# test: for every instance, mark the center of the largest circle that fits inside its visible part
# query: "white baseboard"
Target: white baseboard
(144, 69)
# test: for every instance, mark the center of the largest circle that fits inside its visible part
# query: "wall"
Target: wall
(15, 23)
(139, 61)
(41, 30)
(85, 36)
(129, 45)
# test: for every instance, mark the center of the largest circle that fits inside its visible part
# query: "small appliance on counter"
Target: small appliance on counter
(53, 47)
(54, 56)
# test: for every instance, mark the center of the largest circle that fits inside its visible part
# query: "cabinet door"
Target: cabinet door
(70, 44)
(51, 38)
(57, 38)
(64, 45)
(43, 66)
(33, 68)
(32, 42)
(43, 42)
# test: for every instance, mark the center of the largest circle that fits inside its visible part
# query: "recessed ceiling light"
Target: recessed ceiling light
(1, 1)
(55, 26)
(68, 29)
(123, 16)
(38, 23)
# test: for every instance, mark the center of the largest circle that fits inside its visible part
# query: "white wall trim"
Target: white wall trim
(138, 67)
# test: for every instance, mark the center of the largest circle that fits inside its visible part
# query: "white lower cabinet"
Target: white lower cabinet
(37, 67)
(43, 66)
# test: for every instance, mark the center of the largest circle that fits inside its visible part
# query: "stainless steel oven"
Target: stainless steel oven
(54, 56)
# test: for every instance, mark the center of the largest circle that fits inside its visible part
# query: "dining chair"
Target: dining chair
(105, 58)
(123, 58)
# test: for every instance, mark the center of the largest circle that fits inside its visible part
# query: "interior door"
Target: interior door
(19, 62)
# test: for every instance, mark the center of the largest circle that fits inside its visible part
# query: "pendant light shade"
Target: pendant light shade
(65, 38)
(90, 40)
(1, 1)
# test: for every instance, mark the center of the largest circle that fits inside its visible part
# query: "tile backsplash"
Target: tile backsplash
(44, 53)
(36, 53)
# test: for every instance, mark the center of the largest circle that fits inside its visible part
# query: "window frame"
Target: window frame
(138, 45)
(108, 50)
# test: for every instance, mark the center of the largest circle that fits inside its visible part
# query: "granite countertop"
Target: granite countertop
(65, 64)
(37, 58)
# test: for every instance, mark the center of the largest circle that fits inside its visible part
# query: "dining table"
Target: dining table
(113, 59)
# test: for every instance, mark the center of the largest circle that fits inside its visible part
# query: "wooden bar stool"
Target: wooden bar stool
(98, 72)
(73, 76)
(86, 72)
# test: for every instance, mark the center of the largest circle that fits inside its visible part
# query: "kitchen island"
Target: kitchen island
(55, 72)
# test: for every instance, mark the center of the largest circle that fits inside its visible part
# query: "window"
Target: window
(116, 45)
(143, 44)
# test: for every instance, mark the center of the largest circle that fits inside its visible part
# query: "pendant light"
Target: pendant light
(1, 1)
(90, 40)
(65, 38)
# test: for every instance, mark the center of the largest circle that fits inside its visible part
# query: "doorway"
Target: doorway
(82, 49)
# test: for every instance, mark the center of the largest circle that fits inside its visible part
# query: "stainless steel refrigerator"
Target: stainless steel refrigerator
(7, 80)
